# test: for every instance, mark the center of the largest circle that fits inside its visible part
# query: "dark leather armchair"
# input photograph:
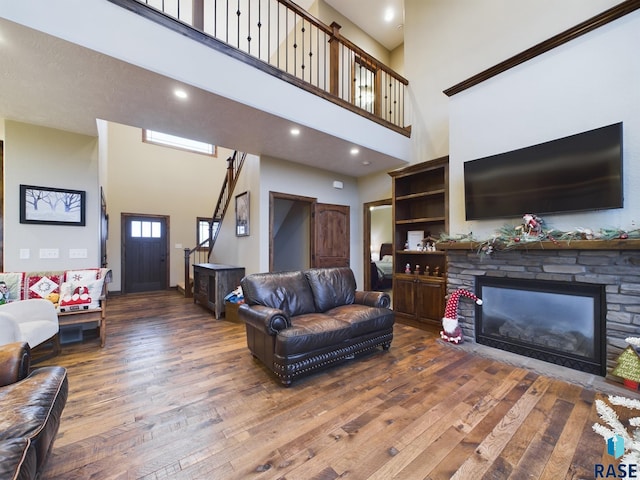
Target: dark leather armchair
(32, 405)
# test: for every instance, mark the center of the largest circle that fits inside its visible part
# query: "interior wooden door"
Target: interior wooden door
(331, 235)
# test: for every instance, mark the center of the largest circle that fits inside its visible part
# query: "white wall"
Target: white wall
(285, 177)
(587, 83)
(49, 158)
(327, 14)
(245, 251)
(448, 41)
(155, 180)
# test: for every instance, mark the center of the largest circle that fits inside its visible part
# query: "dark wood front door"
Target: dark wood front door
(331, 236)
(145, 248)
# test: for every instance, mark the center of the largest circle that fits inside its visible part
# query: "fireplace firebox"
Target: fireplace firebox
(558, 322)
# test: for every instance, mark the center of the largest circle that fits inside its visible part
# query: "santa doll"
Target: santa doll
(451, 331)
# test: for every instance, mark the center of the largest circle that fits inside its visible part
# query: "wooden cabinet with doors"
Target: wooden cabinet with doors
(420, 211)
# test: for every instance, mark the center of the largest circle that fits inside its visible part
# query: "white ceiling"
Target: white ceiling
(58, 84)
(369, 16)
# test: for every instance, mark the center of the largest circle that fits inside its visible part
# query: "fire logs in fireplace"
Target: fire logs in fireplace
(558, 322)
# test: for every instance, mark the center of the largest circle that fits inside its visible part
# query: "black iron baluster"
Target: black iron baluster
(238, 22)
(302, 65)
(393, 105)
(295, 45)
(259, 25)
(249, 27)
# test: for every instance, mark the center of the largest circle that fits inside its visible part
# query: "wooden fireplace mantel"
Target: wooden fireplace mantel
(617, 244)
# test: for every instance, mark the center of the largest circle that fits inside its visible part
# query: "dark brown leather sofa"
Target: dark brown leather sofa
(31, 407)
(298, 322)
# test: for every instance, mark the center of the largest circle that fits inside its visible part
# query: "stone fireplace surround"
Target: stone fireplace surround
(614, 264)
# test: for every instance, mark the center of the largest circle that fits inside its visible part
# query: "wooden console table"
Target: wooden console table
(212, 282)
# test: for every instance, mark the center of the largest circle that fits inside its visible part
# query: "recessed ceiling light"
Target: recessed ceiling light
(180, 93)
(389, 14)
(355, 151)
(295, 131)
(366, 163)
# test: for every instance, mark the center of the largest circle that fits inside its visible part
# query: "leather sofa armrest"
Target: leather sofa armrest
(267, 319)
(373, 299)
(15, 360)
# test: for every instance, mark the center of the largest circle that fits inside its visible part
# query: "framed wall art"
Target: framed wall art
(52, 206)
(242, 214)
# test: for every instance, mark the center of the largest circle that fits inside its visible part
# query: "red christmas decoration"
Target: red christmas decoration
(451, 331)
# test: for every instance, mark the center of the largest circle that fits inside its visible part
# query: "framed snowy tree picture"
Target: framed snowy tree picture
(52, 206)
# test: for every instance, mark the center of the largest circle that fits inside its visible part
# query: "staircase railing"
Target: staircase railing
(234, 166)
(286, 41)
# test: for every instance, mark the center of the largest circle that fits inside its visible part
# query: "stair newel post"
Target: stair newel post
(377, 89)
(210, 244)
(188, 291)
(334, 59)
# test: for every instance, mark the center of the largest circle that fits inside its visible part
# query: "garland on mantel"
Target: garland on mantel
(532, 230)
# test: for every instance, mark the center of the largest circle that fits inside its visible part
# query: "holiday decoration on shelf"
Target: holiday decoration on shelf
(451, 331)
(531, 225)
(615, 431)
(532, 230)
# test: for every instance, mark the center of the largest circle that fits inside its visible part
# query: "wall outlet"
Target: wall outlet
(77, 253)
(25, 253)
(49, 253)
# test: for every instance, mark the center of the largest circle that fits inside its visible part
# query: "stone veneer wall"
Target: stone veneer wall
(619, 270)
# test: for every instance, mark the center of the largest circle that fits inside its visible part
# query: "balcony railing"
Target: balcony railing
(301, 49)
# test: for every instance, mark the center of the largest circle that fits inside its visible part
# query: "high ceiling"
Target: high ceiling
(49, 78)
(369, 15)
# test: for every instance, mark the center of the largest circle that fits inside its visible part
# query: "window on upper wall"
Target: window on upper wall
(181, 143)
(202, 232)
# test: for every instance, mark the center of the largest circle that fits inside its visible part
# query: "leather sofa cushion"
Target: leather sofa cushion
(17, 460)
(311, 332)
(286, 291)
(363, 319)
(31, 409)
(331, 287)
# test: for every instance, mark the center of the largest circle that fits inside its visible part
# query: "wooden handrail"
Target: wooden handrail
(307, 53)
(234, 166)
(335, 33)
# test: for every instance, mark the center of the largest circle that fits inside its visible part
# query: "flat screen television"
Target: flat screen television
(576, 173)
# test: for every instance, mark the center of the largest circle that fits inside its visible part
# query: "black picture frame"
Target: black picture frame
(52, 206)
(242, 214)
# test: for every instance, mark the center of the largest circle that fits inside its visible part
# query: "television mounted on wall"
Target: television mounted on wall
(580, 172)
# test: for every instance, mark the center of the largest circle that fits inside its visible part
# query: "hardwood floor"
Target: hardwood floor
(176, 394)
